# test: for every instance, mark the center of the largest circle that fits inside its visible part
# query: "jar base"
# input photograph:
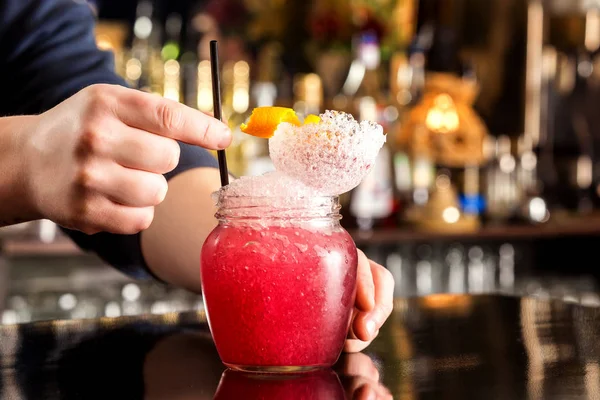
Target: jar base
(277, 369)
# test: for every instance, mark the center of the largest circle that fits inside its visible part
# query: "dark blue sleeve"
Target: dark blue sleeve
(48, 53)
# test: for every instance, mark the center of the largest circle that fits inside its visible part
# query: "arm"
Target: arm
(51, 55)
(12, 183)
(181, 223)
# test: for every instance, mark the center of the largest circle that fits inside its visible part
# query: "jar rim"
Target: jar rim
(219, 194)
(276, 207)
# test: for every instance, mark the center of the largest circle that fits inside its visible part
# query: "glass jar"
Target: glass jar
(279, 282)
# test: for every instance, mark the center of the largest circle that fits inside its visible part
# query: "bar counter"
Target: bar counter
(438, 347)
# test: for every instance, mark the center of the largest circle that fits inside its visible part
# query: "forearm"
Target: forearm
(15, 205)
(172, 244)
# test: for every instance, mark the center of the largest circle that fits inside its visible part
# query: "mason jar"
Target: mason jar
(279, 282)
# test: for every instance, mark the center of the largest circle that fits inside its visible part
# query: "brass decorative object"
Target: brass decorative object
(444, 124)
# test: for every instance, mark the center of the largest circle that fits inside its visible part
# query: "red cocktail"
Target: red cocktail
(279, 283)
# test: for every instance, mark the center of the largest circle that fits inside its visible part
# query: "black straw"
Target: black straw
(216, 90)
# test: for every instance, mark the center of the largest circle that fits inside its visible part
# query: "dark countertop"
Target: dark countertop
(436, 347)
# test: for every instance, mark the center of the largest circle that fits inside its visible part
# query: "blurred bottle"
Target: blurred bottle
(170, 53)
(372, 202)
(455, 262)
(476, 271)
(472, 201)
(308, 95)
(263, 93)
(506, 266)
(189, 65)
(397, 265)
(171, 49)
(406, 84)
(500, 182)
(364, 75)
(527, 167)
(236, 107)
(204, 100)
(424, 270)
(131, 303)
(423, 169)
(143, 68)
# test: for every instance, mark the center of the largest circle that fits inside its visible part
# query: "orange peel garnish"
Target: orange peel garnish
(263, 121)
(312, 119)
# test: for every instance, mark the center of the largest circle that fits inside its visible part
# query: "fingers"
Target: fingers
(384, 296)
(139, 150)
(171, 119)
(359, 364)
(367, 322)
(361, 378)
(365, 288)
(364, 328)
(115, 199)
(356, 345)
(102, 215)
(358, 342)
(125, 186)
(127, 220)
(364, 389)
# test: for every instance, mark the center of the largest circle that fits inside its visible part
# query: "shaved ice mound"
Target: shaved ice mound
(272, 184)
(332, 156)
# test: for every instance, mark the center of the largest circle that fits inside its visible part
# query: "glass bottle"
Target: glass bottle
(143, 68)
(501, 190)
(372, 202)
(170, 57)
(471, 200)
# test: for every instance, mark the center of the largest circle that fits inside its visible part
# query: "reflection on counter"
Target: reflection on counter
(154, 357)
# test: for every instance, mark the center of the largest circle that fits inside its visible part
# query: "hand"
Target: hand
(95, 162)
(374, 303)
(360, 378)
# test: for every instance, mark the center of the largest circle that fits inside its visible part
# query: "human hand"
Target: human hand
(360, 378)
(95, 162)
(374, 303)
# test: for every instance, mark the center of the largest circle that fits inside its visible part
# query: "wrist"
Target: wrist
(15, 191)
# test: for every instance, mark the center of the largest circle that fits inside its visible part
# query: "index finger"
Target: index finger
(171, 119)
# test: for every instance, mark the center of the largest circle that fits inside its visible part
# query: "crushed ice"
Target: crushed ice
(324, 159)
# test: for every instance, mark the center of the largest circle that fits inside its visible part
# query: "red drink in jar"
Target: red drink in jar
(279, 284)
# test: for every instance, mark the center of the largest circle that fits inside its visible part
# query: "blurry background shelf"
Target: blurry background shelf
(560, 227)
(62, 246)
(572, 226)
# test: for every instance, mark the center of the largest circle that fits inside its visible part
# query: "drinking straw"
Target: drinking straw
(216, 91)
